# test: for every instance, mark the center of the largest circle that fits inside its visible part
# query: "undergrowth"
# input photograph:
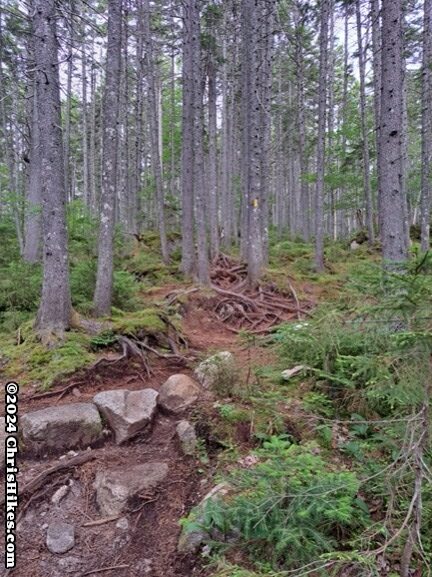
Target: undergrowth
(345, 498)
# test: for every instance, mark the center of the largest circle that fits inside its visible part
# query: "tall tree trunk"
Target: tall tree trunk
(203, 274)
(155, 132)
(55, 307)
(322, 105)
(33, 228)
(104, 279)
(331, 120)
(212, 158)
(93, 135)
(251, 155)
(391, 138)
(301, 127)
(364, 129)
(84, 117)
(68, 109)
(377, 71)
(188, 249)
(426, 154)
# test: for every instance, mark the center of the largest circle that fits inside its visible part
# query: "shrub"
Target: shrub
(291, 507)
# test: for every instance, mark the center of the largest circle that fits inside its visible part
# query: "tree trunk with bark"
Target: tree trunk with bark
(426, 154)
(104, 279)
(391, 138)
(322, 105)
(364, 129)
(55, 307)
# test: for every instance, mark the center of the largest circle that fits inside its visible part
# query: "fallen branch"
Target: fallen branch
(98, 522)
(42, 478)
(102, 569)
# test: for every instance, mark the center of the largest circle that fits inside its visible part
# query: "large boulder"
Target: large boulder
(115, 487)
(178, 393)
(60, 537)
(60, 428)
(127, 412)
(218, 372)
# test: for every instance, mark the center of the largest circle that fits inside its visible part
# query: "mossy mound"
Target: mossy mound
(30, 361)
(149, 321)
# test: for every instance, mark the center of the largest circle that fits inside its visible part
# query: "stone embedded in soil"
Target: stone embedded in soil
(122, 524)
(115, 487)
(178, 393)
(127, 412)
(60, 537)
(288, 373)
(59, 494)
(191, 539)
(218, 369)
(187, 437)
(62, 427)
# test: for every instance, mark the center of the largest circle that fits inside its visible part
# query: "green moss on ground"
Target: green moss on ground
(32, 362)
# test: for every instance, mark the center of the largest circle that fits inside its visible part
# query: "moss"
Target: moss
(147, 320)
(31, 361)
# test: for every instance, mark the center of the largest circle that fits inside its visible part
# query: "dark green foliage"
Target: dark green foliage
(291, 507)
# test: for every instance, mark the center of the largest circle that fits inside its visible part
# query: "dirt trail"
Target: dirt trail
(149, 546)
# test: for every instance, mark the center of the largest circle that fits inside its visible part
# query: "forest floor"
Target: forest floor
(295, 320)
(149, 545)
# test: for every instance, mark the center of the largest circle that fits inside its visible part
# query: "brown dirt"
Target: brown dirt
(148, 548)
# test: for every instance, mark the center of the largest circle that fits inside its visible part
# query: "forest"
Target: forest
(216, 288)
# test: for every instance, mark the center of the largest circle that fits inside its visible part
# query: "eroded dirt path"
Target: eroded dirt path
(144, 542)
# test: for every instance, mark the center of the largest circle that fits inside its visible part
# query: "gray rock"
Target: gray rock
(191, 539)
(62, 427)
(59, 494)
(69, 564)
(178, 393)
(60, 537)
(288, 373)
(127, 412)
(217, 371)
(354, 245)
(187, 437)
(115, 487)
(122, 524)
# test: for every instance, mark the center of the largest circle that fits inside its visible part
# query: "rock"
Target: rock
(217, 372)
(288, 373)
(178, 393)
(60, 537)
(62, 427)
(59, 494)
(122, 524)
(187, 437)
(69, 564)
(354, 245)
(115, 487)
(127, 412)
(190, 540)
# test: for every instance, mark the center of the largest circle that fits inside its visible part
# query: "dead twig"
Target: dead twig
(98, 522)
(42, 478)
(102, 569)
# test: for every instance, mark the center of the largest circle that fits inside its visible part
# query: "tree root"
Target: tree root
(255, 310)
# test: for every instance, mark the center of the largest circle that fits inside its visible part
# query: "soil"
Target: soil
(149, 546)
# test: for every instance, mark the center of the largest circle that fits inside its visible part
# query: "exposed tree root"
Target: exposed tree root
(43, 477)
(255, 310)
